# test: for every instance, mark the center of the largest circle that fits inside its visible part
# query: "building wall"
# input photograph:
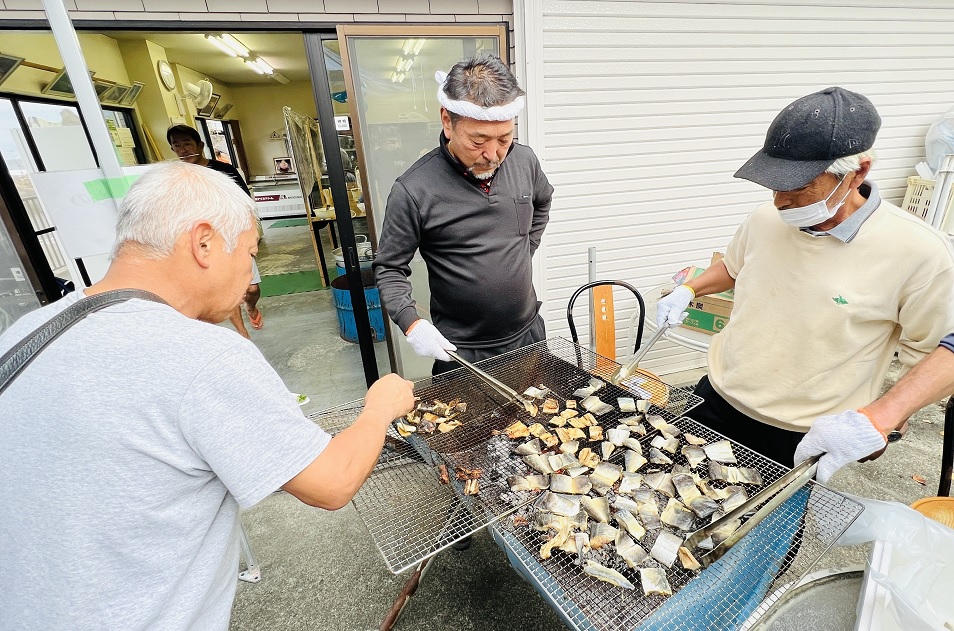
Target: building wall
(101, 52)
(332, 11)
(261, 116)
(642, 127)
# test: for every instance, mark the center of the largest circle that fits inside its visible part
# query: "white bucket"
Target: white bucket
(363, 248)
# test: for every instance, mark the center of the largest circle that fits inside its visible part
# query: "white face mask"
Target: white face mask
(813, 214)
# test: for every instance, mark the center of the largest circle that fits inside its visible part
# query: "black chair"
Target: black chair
(600, 283)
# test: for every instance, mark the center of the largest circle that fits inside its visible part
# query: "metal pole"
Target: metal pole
(591, 276)
(86, 98)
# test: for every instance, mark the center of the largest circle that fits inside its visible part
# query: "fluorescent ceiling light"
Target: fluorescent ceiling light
(281, 78)
(264, 66)
(418, 46)
(408, 46)
(406, 65)
(221, 46)
(254, 66)
(240, 49)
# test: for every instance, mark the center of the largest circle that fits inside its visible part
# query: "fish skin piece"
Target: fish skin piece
(596, 405)
(694, 455)
(658, 457)
(654, 582)
(703, 506)
(558, 540)
(694, 440)
(633, 461)
(686, 487)
(601, 534)
(608, 575)
(630, 523)
(575, 472)
(596, 432)
(736, 498)
(626, 404)
(617, 436)
(630, 482)
(529, 448)
(571, 486)
(662, 482)
(720, 451)
(562, 461)
(559, 504)
(666, 548)
(688, 561)
(539, 463)
(607, 473)
(631, 421)
(676, 514)
(570, 447)
(630, 551)
(597, 508)
(606, 449)
(633, 443)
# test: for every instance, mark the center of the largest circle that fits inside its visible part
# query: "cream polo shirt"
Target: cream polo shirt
(816, 321)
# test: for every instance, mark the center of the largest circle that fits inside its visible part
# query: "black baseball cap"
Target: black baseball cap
(809, 135)
(183, 130)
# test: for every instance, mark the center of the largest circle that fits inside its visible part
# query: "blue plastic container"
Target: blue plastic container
(341, 297)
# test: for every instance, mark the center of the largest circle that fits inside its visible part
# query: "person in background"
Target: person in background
(122, 493)
(864, 434)
(188, 147)
(476, 207)
(829, 281)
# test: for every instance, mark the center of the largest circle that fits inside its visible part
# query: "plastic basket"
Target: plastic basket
(917, 199)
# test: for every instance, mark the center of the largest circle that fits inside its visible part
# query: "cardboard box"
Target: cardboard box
(707, 314)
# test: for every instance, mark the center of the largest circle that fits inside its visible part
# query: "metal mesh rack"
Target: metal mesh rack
(776, 554)
(411, 516)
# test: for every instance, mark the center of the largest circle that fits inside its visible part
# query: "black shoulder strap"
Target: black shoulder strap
(23, 352)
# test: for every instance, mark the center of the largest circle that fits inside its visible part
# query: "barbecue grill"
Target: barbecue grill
(412, 516)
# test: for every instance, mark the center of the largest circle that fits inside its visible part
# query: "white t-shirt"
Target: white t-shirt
(128, 446)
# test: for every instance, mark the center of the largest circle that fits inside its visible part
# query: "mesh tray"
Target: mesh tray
(410, 515)
(776, 554)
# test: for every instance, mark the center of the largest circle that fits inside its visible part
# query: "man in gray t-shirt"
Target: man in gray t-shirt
(132, 441)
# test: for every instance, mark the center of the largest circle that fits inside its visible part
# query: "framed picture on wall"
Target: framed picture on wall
(115, 94)
(222, 110)
(61, 85)
(210, 106)
(8, 63)
(284, 165)
(132, 94)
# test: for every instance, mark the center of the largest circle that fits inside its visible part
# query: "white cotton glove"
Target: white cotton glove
(671, 310)
(842, 438)
(427, 341)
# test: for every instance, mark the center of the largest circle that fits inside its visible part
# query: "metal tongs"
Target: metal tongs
(625, 372)
(509, 393)
(781, 489)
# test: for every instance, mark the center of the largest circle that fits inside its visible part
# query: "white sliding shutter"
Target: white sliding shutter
(648, 109)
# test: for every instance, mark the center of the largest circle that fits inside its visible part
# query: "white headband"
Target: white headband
(472, 110)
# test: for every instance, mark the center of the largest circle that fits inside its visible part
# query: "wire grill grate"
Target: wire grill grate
(412, 516)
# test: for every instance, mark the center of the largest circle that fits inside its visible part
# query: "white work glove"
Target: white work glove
(427, 341)
(671, 310)
(842, 438)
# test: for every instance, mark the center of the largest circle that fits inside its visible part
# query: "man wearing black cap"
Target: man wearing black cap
(829, 281)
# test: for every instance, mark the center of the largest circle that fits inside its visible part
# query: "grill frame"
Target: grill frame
(412, 516)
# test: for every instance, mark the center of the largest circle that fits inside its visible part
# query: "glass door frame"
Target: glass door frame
(346, 31)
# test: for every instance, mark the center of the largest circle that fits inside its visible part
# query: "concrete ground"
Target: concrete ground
(321, 569)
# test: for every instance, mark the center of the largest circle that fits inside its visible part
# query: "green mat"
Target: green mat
(289, 223)
(291, 283)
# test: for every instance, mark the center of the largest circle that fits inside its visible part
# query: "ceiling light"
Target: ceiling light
(418, 46)
(221, 46)
(407, 65)
(254, 66)
(264, 66)
(393, 76)
(240, 49)
(281, 78)
(408, 46)
(400, 77)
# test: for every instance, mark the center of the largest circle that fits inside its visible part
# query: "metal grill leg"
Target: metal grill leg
(252, 573)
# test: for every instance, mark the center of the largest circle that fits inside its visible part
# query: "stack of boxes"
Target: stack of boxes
(707, 314)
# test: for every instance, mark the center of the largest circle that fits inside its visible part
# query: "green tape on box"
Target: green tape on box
(107, 188)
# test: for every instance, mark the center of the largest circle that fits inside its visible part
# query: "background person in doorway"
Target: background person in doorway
(829, 280)
(188, 146)
(476, 207)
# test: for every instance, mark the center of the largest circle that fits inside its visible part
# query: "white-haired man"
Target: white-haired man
(829, 281)
(127, 439)
(476, 207)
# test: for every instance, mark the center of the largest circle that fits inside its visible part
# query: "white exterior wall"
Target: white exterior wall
(642, 111)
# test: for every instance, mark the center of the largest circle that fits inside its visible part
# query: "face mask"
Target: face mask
(813, 214)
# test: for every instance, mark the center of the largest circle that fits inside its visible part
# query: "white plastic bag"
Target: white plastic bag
(939, 140)
(919, 573)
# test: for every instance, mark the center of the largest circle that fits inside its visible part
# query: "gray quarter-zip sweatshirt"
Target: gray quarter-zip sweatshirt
(477, 246)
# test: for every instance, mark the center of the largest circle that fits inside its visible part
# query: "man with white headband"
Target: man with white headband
(476, 207)
(829, 281)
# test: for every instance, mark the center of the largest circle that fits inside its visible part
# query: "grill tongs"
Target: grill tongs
(779, 491)
(509, 393)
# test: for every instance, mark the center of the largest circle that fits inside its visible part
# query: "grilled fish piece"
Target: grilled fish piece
(632, 461)
(630, 524)
(528, 483)
(565, 484)
(686, 487)
(601, 534)
(603, 573)
(562, 461)
(720, 451)
(606, 449)
(688, 561)
(596, 432)
(595, 405)
(539, 463)
(658, 457)
(654, 582)
(649, 514)
(566, 505)
(570, 447)
(630, 482)
(626, 404)
(550, 406)
(630, 551)
(676, 514)
(530, 447)
(694, 440)
(597, 508)
(606, 473)
(694, 455)
(666, 548)
(617, 436)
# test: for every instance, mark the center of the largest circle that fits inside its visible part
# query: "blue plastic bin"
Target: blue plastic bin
(341, 298)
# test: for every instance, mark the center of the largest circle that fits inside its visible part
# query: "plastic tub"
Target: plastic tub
(341, 297)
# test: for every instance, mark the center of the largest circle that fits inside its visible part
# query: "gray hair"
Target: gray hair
(169, 198)
(483, 80)
(849, 164)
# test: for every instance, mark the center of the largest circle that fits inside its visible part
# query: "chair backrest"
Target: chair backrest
(605, 320)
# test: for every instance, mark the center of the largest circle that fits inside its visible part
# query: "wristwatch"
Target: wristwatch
(894, 436)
